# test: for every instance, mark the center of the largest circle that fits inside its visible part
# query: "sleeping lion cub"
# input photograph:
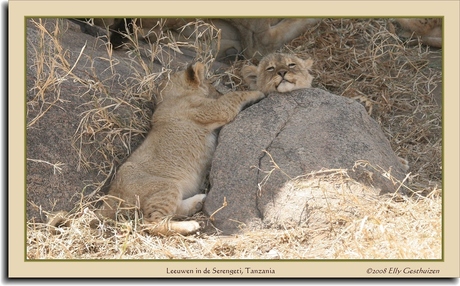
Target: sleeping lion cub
(279, 72)
(164, 175)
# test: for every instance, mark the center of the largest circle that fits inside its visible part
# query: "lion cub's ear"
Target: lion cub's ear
(249, 74)
(195, 73)
(308, 64)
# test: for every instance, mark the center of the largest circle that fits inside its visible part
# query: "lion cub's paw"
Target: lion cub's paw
(192, 205)
(173, 227)
(199, 199)
(190, 227)
(255, 96)
(259, 95)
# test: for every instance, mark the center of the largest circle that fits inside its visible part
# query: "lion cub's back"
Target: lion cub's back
(177, 148)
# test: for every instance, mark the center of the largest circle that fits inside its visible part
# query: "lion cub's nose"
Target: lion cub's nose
(282, 72)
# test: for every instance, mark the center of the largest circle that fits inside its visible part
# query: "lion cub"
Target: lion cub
(164, 175)
(428, 30)
(279, 72)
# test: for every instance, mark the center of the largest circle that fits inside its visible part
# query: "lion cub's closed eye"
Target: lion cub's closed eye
(279, 72)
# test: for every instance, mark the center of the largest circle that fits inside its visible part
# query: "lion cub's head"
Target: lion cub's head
(279, 72)
(185, 83)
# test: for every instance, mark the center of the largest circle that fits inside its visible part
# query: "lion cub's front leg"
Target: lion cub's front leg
(218, 112)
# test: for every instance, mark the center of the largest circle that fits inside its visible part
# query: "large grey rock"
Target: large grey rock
(289, 135)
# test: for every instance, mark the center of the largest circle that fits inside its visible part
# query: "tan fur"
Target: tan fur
(429, 30)
(261, 36)
(252, 37)
(279, 72)
(164, 176)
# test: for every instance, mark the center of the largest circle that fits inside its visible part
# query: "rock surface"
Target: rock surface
(288, 135)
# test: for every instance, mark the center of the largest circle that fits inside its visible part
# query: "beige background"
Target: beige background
(18, 10)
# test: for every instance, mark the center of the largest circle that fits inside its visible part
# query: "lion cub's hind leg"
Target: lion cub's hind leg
(163, 204)
(191, 206)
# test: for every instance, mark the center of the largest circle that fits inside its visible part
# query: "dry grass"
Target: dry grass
(51, 67)
(344, 223)
(361, 59)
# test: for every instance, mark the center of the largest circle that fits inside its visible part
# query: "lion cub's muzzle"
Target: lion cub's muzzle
(282, 78)
(283, 83)
(282, 73)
